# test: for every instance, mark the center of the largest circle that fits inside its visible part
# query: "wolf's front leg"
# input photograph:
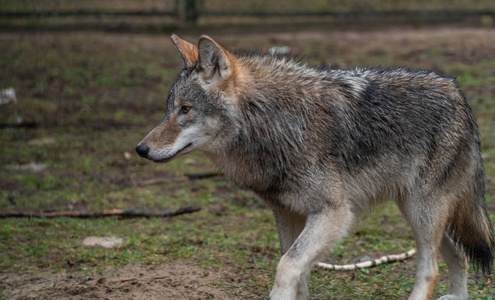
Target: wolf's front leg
(289, 226)
(323, 229)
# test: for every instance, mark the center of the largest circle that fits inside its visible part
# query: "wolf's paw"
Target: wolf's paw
(453, 297)
(282, 294)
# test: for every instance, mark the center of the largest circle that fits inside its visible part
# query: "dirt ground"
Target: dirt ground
(183, 281)
(172, 281)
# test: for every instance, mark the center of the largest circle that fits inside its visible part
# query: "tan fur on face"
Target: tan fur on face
(164, 134)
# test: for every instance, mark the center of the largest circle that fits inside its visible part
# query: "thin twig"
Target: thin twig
(184, 178)
(130, 213)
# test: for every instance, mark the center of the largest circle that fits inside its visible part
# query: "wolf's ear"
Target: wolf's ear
(188, 51)
(216, 65)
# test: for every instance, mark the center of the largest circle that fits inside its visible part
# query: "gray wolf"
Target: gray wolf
(321, 147)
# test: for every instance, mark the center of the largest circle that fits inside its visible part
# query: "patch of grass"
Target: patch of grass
(97, 95)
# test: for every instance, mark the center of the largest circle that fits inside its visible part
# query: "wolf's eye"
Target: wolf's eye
(185, 109)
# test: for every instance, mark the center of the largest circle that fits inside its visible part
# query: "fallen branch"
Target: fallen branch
(370, 263)
(23, 124)
(184, 178)
(130, 213)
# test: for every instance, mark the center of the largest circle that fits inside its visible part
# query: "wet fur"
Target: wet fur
(321, 147)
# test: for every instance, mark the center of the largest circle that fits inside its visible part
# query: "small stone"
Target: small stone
(363, 259)
(104, 242)
(42, 141)
(8, 96)
(280, 50)
(32, 166)
(127, 155)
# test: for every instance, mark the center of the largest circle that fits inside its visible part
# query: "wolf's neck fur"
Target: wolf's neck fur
(276, 124)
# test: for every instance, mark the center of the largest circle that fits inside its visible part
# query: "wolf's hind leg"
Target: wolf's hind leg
(428, 225)
(426, 274)
(323, 229)
(457, 264)
(290, 226)
(302, 286)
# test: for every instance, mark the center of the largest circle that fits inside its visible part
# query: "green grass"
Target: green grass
(97, 95)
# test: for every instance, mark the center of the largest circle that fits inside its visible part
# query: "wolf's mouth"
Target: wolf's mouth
(176, 154)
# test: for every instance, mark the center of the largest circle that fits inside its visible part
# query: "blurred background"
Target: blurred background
(82, 82)
(178, 13)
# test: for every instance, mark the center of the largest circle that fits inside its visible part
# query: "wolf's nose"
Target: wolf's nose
(142, 150)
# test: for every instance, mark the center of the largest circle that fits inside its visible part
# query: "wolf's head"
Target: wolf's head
(202, 104)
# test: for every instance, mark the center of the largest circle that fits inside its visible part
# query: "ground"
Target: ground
(166, 281)
(89, 97)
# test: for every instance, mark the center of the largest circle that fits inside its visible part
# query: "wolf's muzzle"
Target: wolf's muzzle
(142, 150)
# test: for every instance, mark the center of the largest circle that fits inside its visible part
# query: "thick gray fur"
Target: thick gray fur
(322, 147)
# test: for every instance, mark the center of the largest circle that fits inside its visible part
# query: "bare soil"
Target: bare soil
(171, 281)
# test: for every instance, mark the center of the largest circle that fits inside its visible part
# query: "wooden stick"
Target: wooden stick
(163, 180)
(26, 124)
(130, 213)
(184, 178)
(369, 264)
